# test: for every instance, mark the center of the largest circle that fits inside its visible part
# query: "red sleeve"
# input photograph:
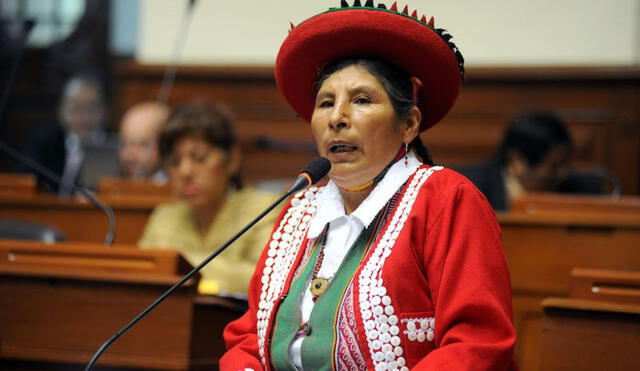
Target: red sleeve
(240, 336)
(469, 283)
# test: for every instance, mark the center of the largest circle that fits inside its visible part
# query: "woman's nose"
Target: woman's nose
(339, 118)
(185, 167)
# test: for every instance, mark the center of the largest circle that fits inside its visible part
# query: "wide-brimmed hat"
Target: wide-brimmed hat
(397, 37)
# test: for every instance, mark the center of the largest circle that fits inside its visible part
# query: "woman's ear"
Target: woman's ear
(412, 124)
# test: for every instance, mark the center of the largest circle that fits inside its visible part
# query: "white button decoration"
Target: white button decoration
(430, 335)
(373, 291)
(283, 249)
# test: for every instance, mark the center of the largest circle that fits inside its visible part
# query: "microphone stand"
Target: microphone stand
(33, 165)
(296, 187)
(27, 27)
(172, 68)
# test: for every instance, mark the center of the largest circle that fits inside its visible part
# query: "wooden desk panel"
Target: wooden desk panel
(80, 221)
(585, 335)
(59, 303)
(542, 250)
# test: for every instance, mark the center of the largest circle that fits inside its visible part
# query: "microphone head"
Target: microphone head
(317, 169)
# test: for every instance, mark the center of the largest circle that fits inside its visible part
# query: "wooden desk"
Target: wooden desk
(625, 208)
(80, 221)
(124, 187)
(543, 247)
(597, 327)
(59, 303)
(15, 183)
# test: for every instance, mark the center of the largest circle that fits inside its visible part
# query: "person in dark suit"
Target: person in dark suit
(534, 156)
(59, 145)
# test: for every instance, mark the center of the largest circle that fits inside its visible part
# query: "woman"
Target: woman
(202, 158)
(395, 263)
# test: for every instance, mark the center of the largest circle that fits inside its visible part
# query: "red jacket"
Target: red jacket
(433, 292)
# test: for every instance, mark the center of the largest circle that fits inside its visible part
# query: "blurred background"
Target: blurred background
(576, 59)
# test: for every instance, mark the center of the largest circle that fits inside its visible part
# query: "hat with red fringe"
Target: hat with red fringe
(397, 37)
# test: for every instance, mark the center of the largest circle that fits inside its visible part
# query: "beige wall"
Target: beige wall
(489, 32)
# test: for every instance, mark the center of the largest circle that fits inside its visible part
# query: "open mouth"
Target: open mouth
(342, 148)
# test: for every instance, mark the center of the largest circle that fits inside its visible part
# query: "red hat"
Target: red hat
(403, 40)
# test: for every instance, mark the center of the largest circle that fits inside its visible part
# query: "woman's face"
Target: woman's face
(355, 126)
(199, 172)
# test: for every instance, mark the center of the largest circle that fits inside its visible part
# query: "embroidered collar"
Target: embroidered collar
(331, 207)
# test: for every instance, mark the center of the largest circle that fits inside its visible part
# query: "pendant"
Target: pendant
(304, 329)
(318, 286)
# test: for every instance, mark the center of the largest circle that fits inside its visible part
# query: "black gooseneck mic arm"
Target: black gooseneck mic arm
(172, 68)
(33, 165)
(313, 172)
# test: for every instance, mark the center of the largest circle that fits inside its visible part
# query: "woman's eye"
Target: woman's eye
(325, 103)
(200, 159)
(362, 100)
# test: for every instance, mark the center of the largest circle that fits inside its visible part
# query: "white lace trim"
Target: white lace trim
(376, 307)
(331, 206)
(282, 251)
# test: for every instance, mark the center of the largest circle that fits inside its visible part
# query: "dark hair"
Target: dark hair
(395, 82)
(533, 135)
(202, 120)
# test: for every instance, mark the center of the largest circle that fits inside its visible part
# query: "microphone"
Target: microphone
(315, 170)
(27, 26)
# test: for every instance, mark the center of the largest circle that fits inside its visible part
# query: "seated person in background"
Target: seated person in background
(534, 156)
(202, 157)
(59, 145)
(139, 131)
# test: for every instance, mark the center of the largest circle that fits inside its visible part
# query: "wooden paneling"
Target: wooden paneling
(59, 303)
(600, 105)
(597, 326)
(545, 237)
(80, 221)
(132, 188)
(12, 183)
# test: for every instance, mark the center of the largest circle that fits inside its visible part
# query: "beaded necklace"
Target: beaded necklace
(319, 284)
(401, 153)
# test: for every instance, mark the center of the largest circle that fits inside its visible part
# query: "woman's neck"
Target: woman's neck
(204, 217)
(353, 199)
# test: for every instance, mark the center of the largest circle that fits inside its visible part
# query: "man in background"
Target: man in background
(60, 146)
(139, 131)
(534, 156)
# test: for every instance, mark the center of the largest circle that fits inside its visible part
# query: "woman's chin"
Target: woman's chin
(193, 201)
(350, 179)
